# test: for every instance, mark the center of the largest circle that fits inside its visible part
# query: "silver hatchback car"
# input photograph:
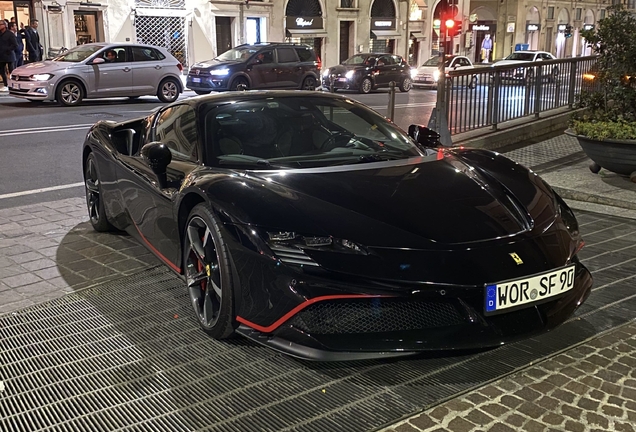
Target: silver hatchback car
(100, 70)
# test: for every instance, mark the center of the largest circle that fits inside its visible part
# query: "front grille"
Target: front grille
(374, 315)
(18, 91)
(20, 78)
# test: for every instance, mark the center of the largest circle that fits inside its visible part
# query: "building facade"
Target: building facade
(197, 30)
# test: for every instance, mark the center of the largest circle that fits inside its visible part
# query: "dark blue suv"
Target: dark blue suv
(258, 66)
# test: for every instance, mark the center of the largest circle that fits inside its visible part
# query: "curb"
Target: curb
(592, 198)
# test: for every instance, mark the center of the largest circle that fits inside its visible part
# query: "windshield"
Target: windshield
(520, 56)
(238, 54)
(79, 53)
(433, 61)
(293, 132)
(360, 59)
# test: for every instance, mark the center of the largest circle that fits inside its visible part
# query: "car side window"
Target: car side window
(464, 62)
(384, 61)
(304, 54)
(115, 55)
(176, 128)
(144, 54)
(286, 55)
(265, 57)
(396, 59)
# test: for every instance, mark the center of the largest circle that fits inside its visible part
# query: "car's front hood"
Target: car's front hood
(426, 70)
(46, 66)
(421, 203)
(209, 64)
(343, 69)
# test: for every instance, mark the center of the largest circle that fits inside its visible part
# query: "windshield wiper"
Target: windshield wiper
(252, 163)
(374, 157)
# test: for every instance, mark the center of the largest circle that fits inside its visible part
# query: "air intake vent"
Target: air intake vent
(290, 255)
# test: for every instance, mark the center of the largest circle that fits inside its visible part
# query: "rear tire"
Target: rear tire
(94, 198)
(309, 84)
(168, 90)
(406, 85)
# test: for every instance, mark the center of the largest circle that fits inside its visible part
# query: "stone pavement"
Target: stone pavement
(48, 250)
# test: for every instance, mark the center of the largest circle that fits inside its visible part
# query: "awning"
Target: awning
(418, 35)
(383, 34)
(306, 33)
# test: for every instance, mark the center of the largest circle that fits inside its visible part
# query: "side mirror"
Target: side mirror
(158, 157)
(424, 136)
(98, 60)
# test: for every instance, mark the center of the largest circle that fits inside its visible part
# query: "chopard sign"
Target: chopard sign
(301, 22)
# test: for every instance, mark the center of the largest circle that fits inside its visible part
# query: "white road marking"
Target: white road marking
(48, 129)
(36, 191)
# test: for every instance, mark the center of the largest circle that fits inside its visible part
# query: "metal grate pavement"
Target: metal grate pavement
(128, 356)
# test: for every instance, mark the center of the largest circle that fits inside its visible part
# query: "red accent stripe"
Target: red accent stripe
(152, 248)
(300, 307)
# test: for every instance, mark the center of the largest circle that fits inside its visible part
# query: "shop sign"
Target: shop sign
(532, 27)
(481, 27)
(382, 23)
(561, 27)
(588, 26)
(312, 22)
(510, 28)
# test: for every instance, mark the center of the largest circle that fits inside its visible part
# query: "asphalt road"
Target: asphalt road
(41, 143)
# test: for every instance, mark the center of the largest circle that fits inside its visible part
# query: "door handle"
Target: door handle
(157, 67)
(126, 69)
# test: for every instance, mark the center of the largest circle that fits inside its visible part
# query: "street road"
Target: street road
(41, 143)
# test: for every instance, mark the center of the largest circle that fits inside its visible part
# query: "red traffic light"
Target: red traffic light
(450, 23)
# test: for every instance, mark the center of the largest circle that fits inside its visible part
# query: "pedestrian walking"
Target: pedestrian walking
(32, 40)
(8, 45)
(19, 38)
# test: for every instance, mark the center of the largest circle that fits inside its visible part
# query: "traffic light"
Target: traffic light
(458, 27)
(568, 31)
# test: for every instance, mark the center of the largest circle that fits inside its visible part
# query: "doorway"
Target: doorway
(223, 34)
(87, 28)
(345, 39)
(18, 10)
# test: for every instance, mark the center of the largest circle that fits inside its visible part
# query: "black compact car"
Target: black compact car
(258, 66)
(365, 72)
(311, 224)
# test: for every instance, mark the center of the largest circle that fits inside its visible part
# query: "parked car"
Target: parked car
(257, 66)
(313, 225)
(365, 72)
(100, 70)
(427, 75)
(527, 73)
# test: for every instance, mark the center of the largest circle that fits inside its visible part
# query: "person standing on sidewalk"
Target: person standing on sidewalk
(33, 45)
(19, 52)
(8, 45)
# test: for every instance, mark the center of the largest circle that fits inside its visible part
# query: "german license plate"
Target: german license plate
(196, 80)
(514, 293)
(15, 86)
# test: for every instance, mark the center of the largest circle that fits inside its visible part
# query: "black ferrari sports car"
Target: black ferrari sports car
(311, 224)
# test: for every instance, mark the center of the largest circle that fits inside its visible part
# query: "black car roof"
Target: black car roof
(256, 95)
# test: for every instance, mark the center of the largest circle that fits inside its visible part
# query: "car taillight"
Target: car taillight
(319, 62)
(180, 66)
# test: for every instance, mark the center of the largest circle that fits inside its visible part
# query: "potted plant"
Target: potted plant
(606, 129)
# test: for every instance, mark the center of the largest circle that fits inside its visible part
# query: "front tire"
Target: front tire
(366, 86)
(406, 84)
(208, 273)
(168, 90)
(94, 200)
(69, 93)
(240, 81)
(202, 92)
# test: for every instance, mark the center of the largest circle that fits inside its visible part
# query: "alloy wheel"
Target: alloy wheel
(407, 84)
(203, 272)
(71, 93)
(309, 84)
(366, 85)
(170, 90)
(93, 202)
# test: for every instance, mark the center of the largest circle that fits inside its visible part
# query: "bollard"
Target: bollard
(391, 108)
(331, 90)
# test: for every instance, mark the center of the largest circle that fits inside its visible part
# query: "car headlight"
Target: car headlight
(41, 77)
(413, 73)
(220, 72)
(436, 75)
(322, 243)
(326, 73)
(350, 74)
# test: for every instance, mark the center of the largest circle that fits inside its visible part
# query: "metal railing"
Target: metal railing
(488, 96)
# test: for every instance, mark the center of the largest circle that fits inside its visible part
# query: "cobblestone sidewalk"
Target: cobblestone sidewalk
(589, 388)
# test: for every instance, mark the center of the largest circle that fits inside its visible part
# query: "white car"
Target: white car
(525, 57)
(427, 75)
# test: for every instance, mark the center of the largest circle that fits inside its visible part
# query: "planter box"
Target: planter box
(618, 156)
